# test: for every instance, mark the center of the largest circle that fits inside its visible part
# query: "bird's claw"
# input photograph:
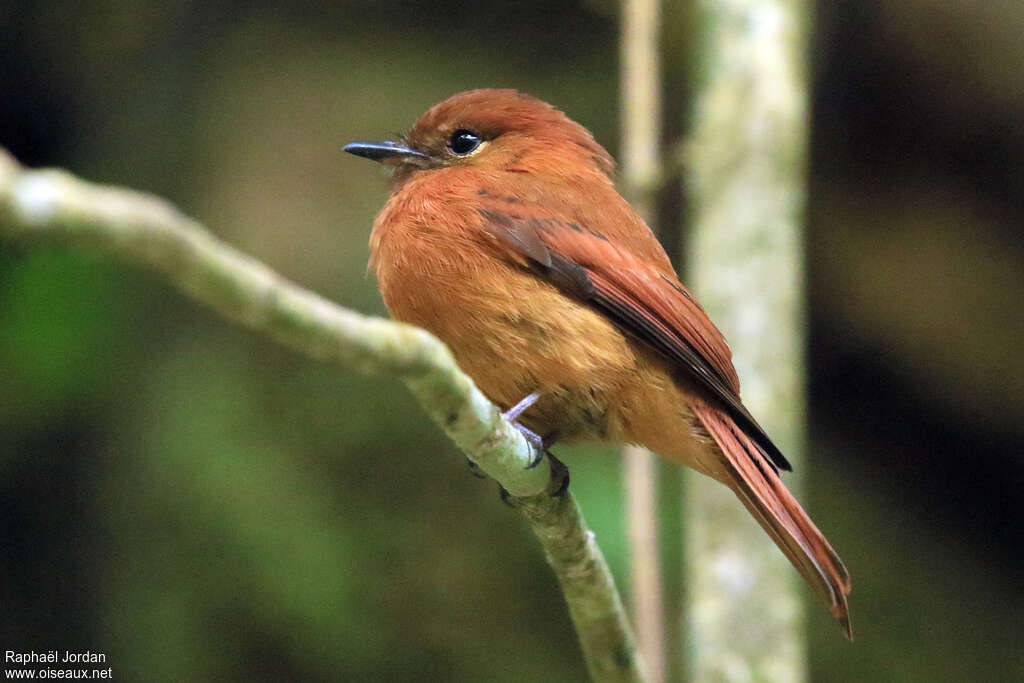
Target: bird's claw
(475, 470)
(557, 486)
(559, 472)
(538, 456)
(535, 440)
(506, 497)
(559, 477)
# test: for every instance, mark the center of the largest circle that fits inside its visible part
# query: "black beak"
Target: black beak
(384, 150)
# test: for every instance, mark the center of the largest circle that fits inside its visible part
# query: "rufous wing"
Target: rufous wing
(649, 303)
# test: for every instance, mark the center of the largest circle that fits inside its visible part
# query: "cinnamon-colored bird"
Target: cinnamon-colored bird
(504, 236)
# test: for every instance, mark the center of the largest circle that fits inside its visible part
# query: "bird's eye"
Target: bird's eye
(463, 141)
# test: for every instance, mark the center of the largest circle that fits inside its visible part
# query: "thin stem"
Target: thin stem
(645, 557)
(641, 171)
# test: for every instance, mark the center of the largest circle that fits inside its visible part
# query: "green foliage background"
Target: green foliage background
(200, 504)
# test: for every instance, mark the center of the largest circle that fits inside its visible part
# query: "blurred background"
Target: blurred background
(199, 504)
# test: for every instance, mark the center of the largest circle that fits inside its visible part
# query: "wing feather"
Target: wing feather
(646, 300)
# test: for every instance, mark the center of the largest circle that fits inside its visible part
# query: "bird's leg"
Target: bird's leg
(518, 409)
(534, 439)
(559, 472)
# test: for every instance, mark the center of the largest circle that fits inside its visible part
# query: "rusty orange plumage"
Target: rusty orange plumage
(505, 237)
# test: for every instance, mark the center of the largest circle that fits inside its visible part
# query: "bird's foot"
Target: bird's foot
(557, 486)
(559, 472)
(538, 443)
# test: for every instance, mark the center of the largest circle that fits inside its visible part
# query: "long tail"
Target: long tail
(758, 486)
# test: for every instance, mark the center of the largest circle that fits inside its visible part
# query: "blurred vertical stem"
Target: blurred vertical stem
(640, 155)
(746, 167)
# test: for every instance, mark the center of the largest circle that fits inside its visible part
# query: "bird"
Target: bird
(505, 237)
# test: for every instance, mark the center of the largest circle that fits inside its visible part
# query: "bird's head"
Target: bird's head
(502, 130)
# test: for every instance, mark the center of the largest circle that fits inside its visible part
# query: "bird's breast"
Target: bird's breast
(510, 331)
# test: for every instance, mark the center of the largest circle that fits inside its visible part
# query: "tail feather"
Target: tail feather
(760, 489)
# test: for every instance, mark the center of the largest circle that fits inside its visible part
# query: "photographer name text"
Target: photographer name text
(53, 657)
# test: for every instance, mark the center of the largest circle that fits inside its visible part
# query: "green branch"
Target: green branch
(55, 207)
